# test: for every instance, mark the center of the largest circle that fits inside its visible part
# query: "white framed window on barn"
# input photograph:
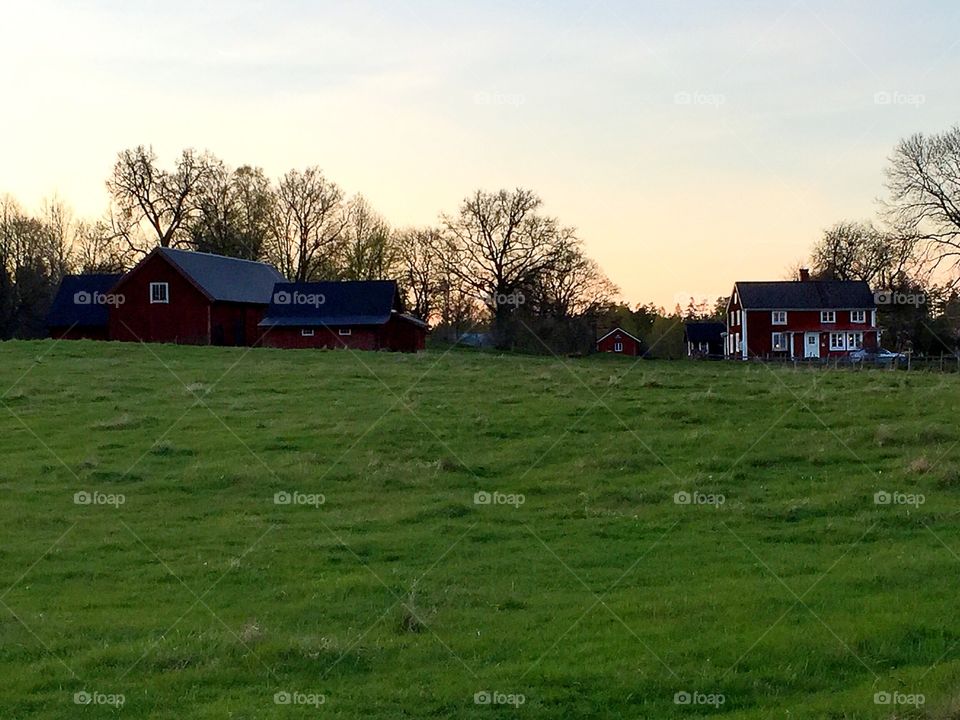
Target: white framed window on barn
(778, 317)
(618, 347)
(854, 340)
(858, 316)
(838, 341)
(828, 316)
(780, 341)
(306, 333)
(159, 292)
(346, 331)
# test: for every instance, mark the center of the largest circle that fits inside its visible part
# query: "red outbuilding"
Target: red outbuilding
(178, 296)
(802, 319)
(81, 307)
(358, 315)
(619, 341)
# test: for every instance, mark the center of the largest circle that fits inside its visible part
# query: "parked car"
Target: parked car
(876, 357)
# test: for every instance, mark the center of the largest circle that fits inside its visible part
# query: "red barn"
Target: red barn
(360, 315)
(619, 341)
(81, 307)
(178, 296)
(803, 319)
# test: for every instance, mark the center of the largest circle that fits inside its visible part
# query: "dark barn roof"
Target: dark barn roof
(708, 332)
(226, 279)
(362, 302)
(69, 307)
(805, 295)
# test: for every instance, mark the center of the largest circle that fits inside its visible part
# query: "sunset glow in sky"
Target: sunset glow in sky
(691, 143)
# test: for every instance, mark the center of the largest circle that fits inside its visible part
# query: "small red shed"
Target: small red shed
(619, 341)
(81, 308)
(178, 296)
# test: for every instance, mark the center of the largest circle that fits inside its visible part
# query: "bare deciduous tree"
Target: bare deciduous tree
(574, 285)
(498, 245)
(923, 177)
(153, 205)
(235, 212)
(308, 226)
(369, 251)
(421, 269)
(96, 248)
(34, 258)
(861, 251)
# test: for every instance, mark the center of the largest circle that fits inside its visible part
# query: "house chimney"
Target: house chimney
(804, 274)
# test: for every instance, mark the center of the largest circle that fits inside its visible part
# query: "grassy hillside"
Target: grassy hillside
(783, 589)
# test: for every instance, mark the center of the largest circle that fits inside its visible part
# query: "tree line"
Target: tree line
(497, 263)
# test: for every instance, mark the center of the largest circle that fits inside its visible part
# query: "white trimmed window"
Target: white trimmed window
(854, 340)
(345, 331)
(778, 317)
(618, 347)
(780, 342)
(828, 316)
(159, 292)
(838, 341)
(306, 333)
(858, 316)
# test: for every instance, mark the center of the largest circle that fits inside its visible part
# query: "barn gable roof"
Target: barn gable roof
(357, 302)
(708, 332)
(77, 302)
(805, 295)
(218, 277)
(226, 279)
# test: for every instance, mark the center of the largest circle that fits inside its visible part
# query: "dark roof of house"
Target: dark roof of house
(805, 295)
(708, 332)
(81, 301)
(226, 279)
(335, 304)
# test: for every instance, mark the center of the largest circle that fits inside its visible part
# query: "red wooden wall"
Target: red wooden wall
(185, 319)
(630, 346)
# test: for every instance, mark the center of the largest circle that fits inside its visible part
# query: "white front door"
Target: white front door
(811, 345)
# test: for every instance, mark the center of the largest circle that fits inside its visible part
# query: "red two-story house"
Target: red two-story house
(802, 319)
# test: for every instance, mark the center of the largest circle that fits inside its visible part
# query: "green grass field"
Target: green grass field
(584, 589)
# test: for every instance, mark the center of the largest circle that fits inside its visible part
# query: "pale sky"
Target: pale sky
(691, 143)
